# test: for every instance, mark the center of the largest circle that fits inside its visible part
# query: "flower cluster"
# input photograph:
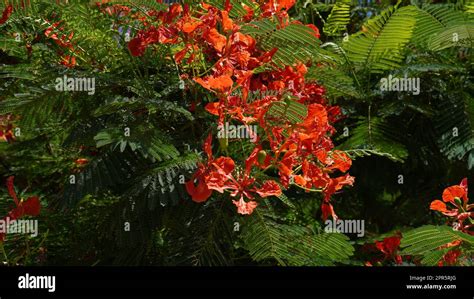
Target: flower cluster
(29, 207)
(302, 152)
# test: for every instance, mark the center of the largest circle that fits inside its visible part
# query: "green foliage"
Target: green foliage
(379, 47)
(433, 19)
(339, 18)
(287, 111)
(292, 245)
(378, 136)
(462, 35)
(427, 240)
(336, 81)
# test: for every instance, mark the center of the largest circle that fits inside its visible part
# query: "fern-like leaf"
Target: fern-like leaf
(380, 44)
(427, 240)
(338, 19)
(292, 245)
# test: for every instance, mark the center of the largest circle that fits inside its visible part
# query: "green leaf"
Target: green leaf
(380, 45)
(376, 136)
(292, 245)
(426, 240)
(287, 111)
(338, 19)
(294, 42)
(455, 36)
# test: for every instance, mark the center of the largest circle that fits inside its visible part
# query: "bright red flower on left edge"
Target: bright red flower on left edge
(29, 207)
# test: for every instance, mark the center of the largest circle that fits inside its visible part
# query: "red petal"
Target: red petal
(315, 30)
(245, 208)
(68, 61)
(341, 161)
(252, 159)
(225, 163)
(220, 83)
(326, 210)
(452, 192)
(227, 23)
(191, 26)
(199, 193)
(216, 39)
(286, 4)
(213, 108)
(299, 180)
(208, 146)
(137, 46)
(31, 206)
(269, 188)
(180, 55)
(249, 15)
(81, 161)
(438, 205)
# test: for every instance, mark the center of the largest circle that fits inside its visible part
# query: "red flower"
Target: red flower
(31, 206)
(269, 188)
(68, 61)
(210, 176)
(450, 258)
(199, 193)
(244, 208)
(340, 161)
(153, 35)
(275, 6)
(438, 205)
(327, 210)
(450, 193)
(455, 205)
(137, 46)
(389, 247)
(6, 133)
(227, 23)
(11, 189)
(215, 39)
(63, 41)
(221, 83)
(190, 26)
(81, 161)
(6, 14)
